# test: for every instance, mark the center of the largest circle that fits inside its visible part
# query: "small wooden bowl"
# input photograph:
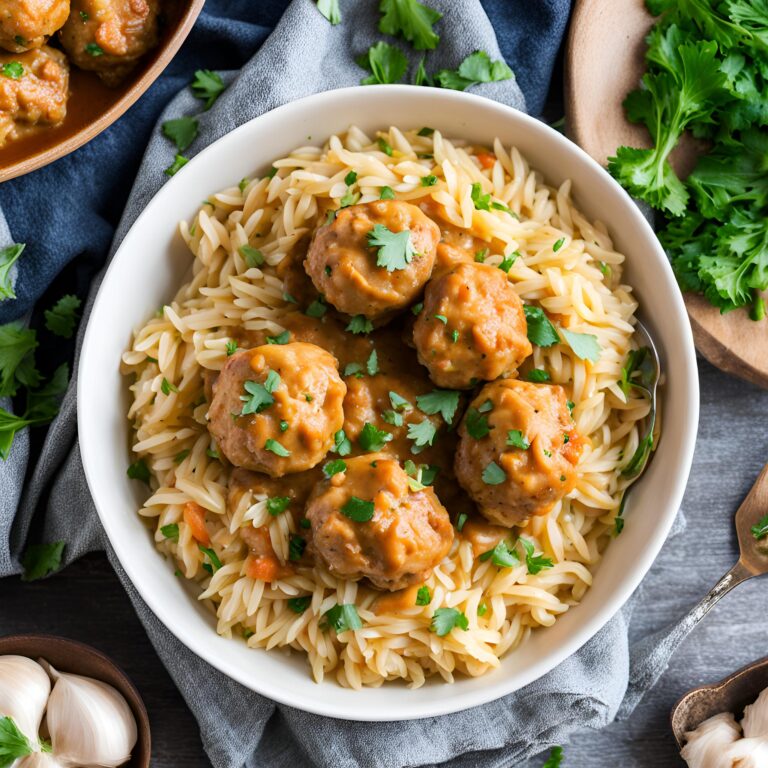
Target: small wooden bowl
(93, 106)
(79, 659)
(731, 694)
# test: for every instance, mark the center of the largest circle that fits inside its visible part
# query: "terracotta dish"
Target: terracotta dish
(729, 695)
(93, 106)
(79, 659)
(604, 62)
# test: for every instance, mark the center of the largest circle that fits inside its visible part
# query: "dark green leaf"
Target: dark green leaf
(387, 193)
(445, 619)
(423, 433)
(538, 375)
(386, 63)
(182, 131)
(359, 510)
(493, 474)
(334, 467)
(476, 424)
(760, 530)
(207, 86)
(395, 249)
(94, 49)
(299, 604)
(296, 547)
(13, 743)
(278, 504)
(541, 332)
(281, 338)
(554, 759)
(8, 257)
(17, 344)
(501, 555)
(61, 320)
(274, 447)
(342, 618)
(372, 364)
(12, 69)
(584, 345)
(139, 471)
(178, 163)
(330, 9)
(373, 439)
(317, 308)
(170, 531)
(252, 256)
(442, 401)
(214, 562)
(341, 444)
(516, 439)
(535, 563)
(423, 596)
(412, 20)
(40, 560)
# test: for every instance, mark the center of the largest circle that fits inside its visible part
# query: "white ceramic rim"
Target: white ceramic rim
(279, 683)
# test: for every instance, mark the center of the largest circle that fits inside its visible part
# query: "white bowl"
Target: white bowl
(151, 264)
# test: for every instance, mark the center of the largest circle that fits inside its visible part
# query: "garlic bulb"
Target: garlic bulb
(90, 723)
(706, 746)
(24, 689)
(39, 760)
(748, 753)
(755, 722)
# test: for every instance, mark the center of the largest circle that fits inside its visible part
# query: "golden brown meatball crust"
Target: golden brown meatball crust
(508, 482)
(343, 264)
(408, 534)
(472, 327)
(292, 396)
(38, 97)
(109, 36)
(27, 24)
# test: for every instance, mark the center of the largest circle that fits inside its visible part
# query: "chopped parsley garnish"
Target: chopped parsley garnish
(330, 9)
(387, 193)
(243, 185)
(271, 173)
(334, 467)
(373, 439)
(359, 510)
(281, 338)
(507, 262)
(139, 471)
(760, 531)
(211, 453)
(182, 131)
(278, 504)
(341, 444)
(571, 405)
(387, 64)
(39, 560)
(94, 49)
(274, 447)
(558, 245)
(207, 86)
(170, 531)
(411, 20)
(416, 308)
(181, 455)
(423, 433)
(584, 345)
(384, 146)
(482, 609)
(535, 563)
(442, 401)
(299, 604)
(360, 324)
(8, 257)
(259, 396)
(482, 202)
(501, 555)
(395, 249)
(287, 297)
(61, 320)
(485, 407)
(476, 424)
(423, 596)
(214, 563)
(429, 181)
(538, 375)
(296, 547)
(555, 758)
(393, 417)
(517, 439)
(305, 522)
(353, 369)
(541, 332)
(12, 69)
(231, 347)
(342, 618)
(493, 474)
(442, 318)
(454, 335)
(283, 425)
(349, 198)
(425, 131)
(317, 308)
(399, 403)
(480, 256)
(372, 364)
(476, 68)
(350, 178)
(178, 163)
(252, 256)
(20, 40)
(166, 387)
(445, 619)
(461, 521)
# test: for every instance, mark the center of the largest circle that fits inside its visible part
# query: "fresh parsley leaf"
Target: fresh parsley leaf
(278, 504)
(395, 249)
(385, 146)
(442, 401)
(416, 308)
(182, 131)
(181, 455)
(12, 70)
(393, 417)
(334, 467)
(584, 345)
(253, 257)
(482, 201)
(429, 181)
(535, 563)
(139, 471)
(166, 387)
(760, 530)
(299, 604)
(482, 609)
(231, 347)
(423, 433)
(387, 193)
(170, 531)
(476, 424)
(13, 743)
(353, 369)
(207, 86)
(296, 547)
(213, 563)
(278, 449)
(461, 521)
(17, 367)
(501, 555)
(342, 618)
(538, 375)
(281, 338)
(412, 20)
(423, 596)
(8, 257)
(330, 9)
(372, 364)
(442, 318)
(317, 308)
(516, 439)
(485, 407)
(341, 444)
(493, 474)
(178, 163)
(476, 68)
(445, 619)
(507, 262)
(41, 560)
(259, 396)
(94, 49)
(386, 63)
(350, 178)
(481, 255)
(555, 758)
(359, 510)
(558, 245)
(61, 320)
(399, 403)
(541, 332)
(373, 439)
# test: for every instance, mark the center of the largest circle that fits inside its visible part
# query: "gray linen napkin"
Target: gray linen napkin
(303, 56)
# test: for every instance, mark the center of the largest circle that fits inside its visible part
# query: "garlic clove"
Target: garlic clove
(90, 723)
(706, 746)
(748, 753)
(24, 690)
(755, 722)
(39, 760)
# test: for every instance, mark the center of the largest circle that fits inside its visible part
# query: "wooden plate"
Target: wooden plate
(80, 659)
(93, 106)
(604, 61)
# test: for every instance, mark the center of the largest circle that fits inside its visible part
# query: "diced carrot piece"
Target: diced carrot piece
(194, 517)
(486, 159)
(265, 568)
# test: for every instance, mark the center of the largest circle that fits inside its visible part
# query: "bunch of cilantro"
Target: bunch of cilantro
(708, 74)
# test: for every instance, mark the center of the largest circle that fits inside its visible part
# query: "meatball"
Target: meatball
(518, 450)
(368, 523)
(27, 24)
(37, 97)
(472, 327)
(276, 408)
(109, 36)
(344, 261)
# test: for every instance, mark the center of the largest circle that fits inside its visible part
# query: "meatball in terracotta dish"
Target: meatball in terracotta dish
(27, 24)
